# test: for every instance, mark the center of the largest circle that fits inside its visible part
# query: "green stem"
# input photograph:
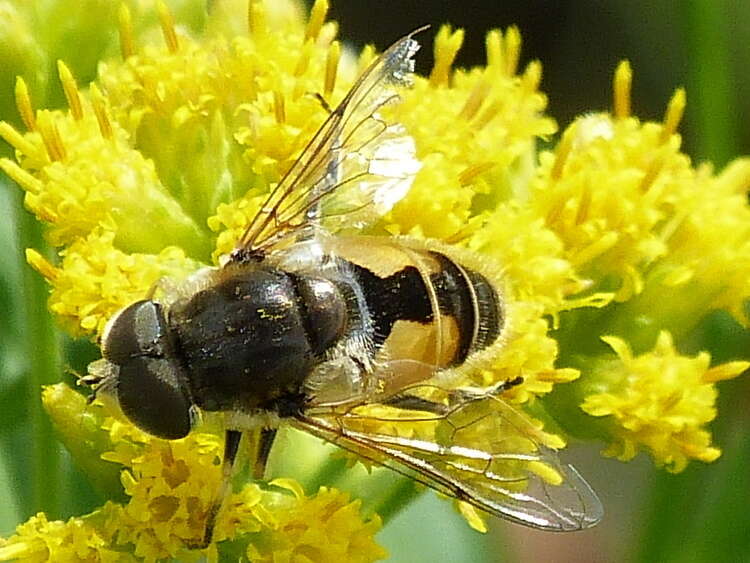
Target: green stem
(42, 352)
(396, 498)
(712, 98)
(332, 470)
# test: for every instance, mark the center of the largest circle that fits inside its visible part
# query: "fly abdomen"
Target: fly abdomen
(425, 308)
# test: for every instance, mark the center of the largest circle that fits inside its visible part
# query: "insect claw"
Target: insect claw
(89, 380)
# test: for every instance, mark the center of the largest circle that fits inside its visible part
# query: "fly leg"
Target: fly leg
(413, 403)
(265, 442)
(164, 285)
(478, 393)
(410, 402)
(231, 446)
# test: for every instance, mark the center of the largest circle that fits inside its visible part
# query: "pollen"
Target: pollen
(317, 18)
(474, 517)
(475, 100)
(17, 140)
(561, 156)
(256, 19)
(279, 107)
(467, 176)
(51, 136)
(673, 116)
(332, 66)
(98, 104)
(167, 26)
(532, 76)
(504, 50)
(512, 50)
(303, 62)
(42, 265)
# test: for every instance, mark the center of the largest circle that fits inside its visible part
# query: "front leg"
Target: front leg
(231, 447)
(265, 442)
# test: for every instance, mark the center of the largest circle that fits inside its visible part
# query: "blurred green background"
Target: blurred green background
(699, 515)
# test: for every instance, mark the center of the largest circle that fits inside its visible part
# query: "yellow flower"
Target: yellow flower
(636, 218)
(475, 132)
(322, 528)
(39, 540)
(168, 488)
(156, 168)
(96, 279)
(669, 242)
(659, 401)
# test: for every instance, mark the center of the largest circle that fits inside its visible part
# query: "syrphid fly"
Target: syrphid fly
(345, 336)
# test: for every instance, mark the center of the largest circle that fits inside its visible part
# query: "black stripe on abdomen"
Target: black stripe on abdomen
(491, 311)
(456, 299)
(399, 297)
(471, 300)
(463, 294)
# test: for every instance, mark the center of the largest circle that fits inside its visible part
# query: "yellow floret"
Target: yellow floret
(169, 486)
(95, 279)
(38, 540)
(660, 401)
(475, 132)
(635, 217)
(319, 528)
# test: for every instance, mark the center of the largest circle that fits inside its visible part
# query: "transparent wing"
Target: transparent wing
(475, 448)
(355, 168)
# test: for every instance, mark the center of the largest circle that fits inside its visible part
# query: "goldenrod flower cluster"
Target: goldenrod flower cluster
(169, 486)
(612, 244)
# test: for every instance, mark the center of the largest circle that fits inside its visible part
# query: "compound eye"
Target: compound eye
(150, 386)
(151, 394)
(137, 329)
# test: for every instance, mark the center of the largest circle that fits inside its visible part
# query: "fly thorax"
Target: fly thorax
(249, 340)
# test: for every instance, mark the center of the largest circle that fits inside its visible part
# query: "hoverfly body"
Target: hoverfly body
(311, 328)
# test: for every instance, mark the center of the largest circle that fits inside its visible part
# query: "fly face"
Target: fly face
(346, 336)
(139, 360)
